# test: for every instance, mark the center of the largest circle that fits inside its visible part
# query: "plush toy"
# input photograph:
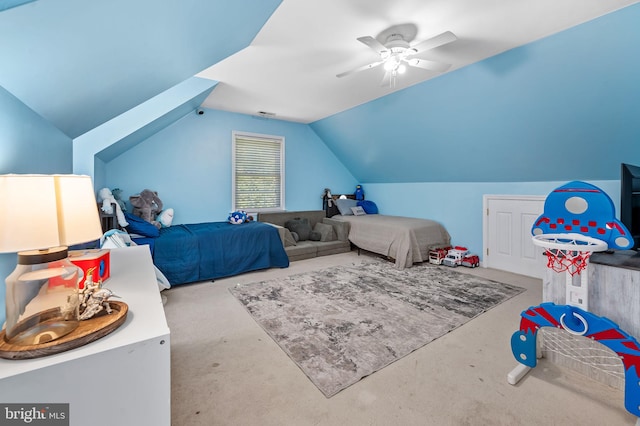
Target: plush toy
(117, 194)
(147, 205)
(359, 192)
(237, 217)
(165, 218)
(105, 196)
(327, 198)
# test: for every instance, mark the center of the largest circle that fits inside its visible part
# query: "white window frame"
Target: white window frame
(270, 138)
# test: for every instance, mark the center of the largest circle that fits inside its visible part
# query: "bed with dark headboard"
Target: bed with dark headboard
(407, 240)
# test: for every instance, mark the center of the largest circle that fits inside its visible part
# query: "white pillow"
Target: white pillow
(344, 205)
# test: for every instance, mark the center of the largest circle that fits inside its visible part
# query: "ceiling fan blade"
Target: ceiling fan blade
(429, 65)
(433, 42)
(386, 80)
(362, 68)
(373, 44)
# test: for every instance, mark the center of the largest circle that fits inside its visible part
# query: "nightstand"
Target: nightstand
(123, 378)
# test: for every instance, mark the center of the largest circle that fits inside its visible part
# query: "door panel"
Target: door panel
(508, 235)
(504, 238)
(529, 251)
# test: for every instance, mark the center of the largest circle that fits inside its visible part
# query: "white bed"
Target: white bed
(405, 239)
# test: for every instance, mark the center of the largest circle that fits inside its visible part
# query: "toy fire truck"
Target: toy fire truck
(461, 256)
(437, 254)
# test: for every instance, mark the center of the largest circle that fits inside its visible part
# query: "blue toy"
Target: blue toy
(578, 218)
(359, 192)
(580, 323)
(237, 217)
(579, 207)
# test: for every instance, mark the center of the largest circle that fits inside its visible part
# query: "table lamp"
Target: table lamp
(40, 215)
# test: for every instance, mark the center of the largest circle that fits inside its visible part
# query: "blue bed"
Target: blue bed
(205, 251)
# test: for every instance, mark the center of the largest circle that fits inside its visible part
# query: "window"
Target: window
(258, 172)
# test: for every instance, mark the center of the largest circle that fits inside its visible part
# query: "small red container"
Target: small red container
(96, 259)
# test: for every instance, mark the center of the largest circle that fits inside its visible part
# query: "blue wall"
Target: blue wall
(189, 164)
(28, 144)
(110, 139)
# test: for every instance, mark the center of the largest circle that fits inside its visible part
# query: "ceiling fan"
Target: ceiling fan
(396, 53)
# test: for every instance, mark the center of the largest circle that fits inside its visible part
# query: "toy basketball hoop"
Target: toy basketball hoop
(568, 252)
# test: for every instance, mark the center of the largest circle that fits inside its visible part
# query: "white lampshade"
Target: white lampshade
(43, 211)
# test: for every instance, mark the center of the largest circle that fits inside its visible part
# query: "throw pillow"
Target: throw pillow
(285, 235)
(358, 211)
(341, 231)
(345, 204)
(368, 206)
(289, 240)
(299, 225)
(325, 231)
(139, 226)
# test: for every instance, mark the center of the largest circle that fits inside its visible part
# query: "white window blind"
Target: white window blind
(258, 172)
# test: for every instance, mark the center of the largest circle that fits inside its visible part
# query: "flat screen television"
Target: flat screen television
(630, 200)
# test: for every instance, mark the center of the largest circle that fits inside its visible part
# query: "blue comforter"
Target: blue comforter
(205, 251)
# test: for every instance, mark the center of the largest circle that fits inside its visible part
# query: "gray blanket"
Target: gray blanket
(405, 239)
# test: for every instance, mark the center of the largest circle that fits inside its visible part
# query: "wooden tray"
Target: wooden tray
(87, 331)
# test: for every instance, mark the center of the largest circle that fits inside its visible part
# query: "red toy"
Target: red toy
(461, 256)
(97, 260)
(437, 254)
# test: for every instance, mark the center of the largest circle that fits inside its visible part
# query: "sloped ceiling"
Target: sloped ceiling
(80, 63)
(290, 68)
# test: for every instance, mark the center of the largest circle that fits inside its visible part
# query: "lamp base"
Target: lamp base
(88, 331)
(43, 327)
(42, 297)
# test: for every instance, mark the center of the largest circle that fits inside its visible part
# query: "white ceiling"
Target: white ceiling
(290, 67)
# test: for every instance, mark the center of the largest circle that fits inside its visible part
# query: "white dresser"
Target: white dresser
(123, 378)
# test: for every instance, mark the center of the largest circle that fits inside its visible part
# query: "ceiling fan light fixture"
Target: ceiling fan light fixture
(395, 51)
(390, 64)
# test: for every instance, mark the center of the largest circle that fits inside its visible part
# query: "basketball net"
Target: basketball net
(570, 261)
(568, 252)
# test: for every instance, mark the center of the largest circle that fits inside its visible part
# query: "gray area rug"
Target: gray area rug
(344, 323)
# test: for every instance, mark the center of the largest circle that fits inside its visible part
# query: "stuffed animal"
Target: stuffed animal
(165, 218)
(117, 194)
(359, 192)
(147, 205)
(105, 196)
(327, 198)
(237, 217)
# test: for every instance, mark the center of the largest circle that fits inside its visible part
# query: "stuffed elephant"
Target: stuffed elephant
(147, 205)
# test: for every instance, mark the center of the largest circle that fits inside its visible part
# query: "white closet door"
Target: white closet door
(507, 234)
